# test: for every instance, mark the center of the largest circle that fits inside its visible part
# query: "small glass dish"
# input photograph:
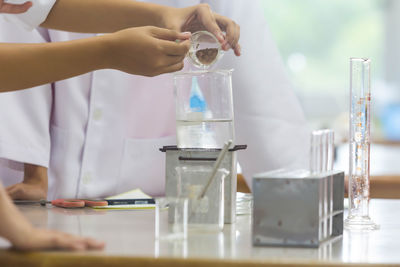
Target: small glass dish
(205, 49)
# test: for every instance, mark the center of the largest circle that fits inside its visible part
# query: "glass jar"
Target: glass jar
(204, 108)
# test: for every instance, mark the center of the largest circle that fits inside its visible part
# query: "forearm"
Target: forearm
(94, 16)
(36, 175)
(28, 65)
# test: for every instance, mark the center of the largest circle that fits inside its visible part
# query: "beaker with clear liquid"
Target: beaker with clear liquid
(204, 108)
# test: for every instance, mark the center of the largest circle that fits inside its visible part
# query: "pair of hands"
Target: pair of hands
(151, 51)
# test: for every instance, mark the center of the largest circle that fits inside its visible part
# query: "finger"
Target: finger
(174, 48)
(232, 31)
(10, 191)
(207, 17)
(238, 50)
(14, 8)
(173, 68)
(94, 244)
(232, 35)
(10, 187)
(170, 35)
(65, 241)
(237, 36)
(172, 60)
(80, 243)
(184, 35)
(14, 191)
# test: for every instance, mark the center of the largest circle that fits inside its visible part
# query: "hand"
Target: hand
(147, 51)
(35, 239)
(23, 236)
(201, 17)
(27, 191)
(34, 186)
(14, 8)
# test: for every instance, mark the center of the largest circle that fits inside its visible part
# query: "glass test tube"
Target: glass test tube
(330, 148)
(358, 189)
(315, 152)
(322, 151)
(321, 161)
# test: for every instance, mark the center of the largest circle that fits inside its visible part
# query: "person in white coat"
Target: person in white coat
(17, 229)
(24, 65)
(34, 149)
(103, 143)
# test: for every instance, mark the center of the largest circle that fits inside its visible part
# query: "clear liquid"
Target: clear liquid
(204, 133)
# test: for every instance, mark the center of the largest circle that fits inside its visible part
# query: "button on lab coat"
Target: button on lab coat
(106, 126)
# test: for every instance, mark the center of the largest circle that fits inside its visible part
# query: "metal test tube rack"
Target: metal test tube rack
(300, 207)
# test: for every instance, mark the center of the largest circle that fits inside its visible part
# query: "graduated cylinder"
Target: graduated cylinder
(358, 190)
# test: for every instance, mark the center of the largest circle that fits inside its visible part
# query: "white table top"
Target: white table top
(130, 233)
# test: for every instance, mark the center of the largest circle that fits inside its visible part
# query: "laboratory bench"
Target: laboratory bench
(129, 237)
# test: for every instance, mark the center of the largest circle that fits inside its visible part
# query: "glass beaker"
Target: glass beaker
(204, 108)
(171, 218)
(205, 49)
(204, 213)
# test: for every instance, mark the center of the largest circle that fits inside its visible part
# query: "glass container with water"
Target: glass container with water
(204, 108)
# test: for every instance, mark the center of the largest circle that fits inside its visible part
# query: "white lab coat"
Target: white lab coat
(28, 110)
(106, 127)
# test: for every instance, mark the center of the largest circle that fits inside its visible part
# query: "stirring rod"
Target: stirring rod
(216, 166)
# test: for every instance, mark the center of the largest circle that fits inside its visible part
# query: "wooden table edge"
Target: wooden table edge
(80, 259)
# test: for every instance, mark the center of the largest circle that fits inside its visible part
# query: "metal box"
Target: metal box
(203, 157)
(296, 208)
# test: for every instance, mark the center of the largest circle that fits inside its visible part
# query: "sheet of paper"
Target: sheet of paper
(133, 194)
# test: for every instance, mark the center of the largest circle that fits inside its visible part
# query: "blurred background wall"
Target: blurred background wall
(316, 40)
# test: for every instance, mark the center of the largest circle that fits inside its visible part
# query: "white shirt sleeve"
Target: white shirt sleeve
(24, 116)
(35, 16)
